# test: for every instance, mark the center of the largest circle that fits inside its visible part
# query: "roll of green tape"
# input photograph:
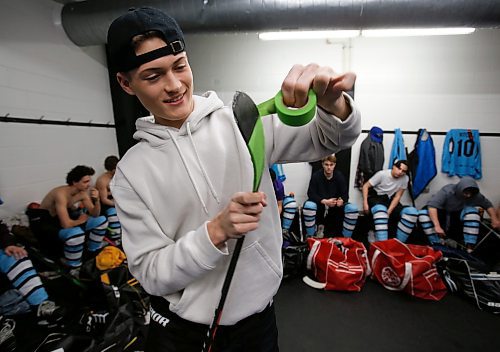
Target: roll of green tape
(290, 116)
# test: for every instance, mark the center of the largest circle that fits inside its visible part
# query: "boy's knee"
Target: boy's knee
(470, 214)
(423, 214)
(72, 232)
(409, 214)
(6, 261)
(379, 211)
(309, 208)
(98, 222)
(111, 212)
(351, 208)
(289, 203)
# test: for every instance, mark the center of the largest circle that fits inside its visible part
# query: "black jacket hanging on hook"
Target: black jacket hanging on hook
(371, 156)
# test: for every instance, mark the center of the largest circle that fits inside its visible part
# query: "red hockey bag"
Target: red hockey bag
(407, 267)
(337, 263)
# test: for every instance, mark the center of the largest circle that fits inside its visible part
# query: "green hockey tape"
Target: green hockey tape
(289, 116)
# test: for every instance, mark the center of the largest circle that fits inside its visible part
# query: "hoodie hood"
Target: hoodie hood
(377, 134)
(464, 183)
(157, 135)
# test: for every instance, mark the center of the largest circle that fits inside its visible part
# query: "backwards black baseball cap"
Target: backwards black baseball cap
(139, 21)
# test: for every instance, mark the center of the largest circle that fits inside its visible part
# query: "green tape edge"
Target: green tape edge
(257, 148)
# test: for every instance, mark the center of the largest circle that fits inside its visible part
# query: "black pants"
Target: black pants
(46, 230)
(168, 332)
(452, 223)
(333, 221)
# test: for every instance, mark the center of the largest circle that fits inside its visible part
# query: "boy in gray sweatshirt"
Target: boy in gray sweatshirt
(453, 211)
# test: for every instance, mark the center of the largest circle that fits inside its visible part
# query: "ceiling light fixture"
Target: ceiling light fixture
(411, 32)
(294, 35)
(339, 34)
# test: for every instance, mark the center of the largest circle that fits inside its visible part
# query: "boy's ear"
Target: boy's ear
(124, 82)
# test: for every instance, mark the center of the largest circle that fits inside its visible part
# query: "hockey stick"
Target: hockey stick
(301, 230)
(250, 125)
(247, 116)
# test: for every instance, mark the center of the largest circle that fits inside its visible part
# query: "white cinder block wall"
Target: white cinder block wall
(433, 82)
(43, 74)
(437, 83)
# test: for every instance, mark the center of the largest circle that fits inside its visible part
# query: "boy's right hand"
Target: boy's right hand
(240, 216)
(326, 83)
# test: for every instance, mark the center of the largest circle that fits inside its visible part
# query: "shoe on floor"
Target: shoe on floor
(48, 311)
(371, 236)
(94, 321)
(450, 243)
(49, 275)
(320, 232)
(75, 272)
(7, 338)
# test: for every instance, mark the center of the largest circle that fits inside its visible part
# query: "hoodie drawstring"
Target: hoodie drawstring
(203, 171)
(188, 171)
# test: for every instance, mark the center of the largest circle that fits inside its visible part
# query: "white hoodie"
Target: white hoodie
(173, 181)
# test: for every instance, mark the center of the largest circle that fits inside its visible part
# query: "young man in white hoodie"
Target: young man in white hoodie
(183, 193)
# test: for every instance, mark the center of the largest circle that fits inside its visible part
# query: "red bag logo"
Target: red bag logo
(389, 277)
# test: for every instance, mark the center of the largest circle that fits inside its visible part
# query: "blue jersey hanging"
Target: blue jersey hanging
(398, 151)
(422, 163)
(462, 153)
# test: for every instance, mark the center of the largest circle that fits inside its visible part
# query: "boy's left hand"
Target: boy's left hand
(340, 202)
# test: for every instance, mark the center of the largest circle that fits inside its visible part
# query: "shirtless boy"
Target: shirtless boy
(107, 203)
(67, 212)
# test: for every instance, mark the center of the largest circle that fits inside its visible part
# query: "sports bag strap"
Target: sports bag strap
(312, 253)
(314, 284)
(310, 258)
(368, 266)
